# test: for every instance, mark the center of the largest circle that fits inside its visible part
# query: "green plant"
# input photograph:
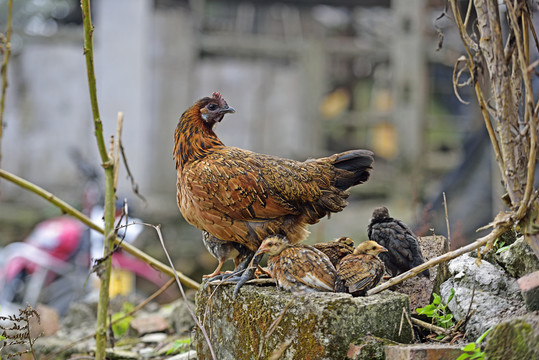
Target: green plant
(182, 344)
(121, 326)
(500, 246)
(473, 349)
(438, 311)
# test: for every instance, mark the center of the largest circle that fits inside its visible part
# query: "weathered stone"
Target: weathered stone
(369, 348)
(190, 355)
(514, 339)
(419, 289)
(48, 323)
(529, 286)
(423, 351)
(496, 297)
(150, 323)
(179, 316)
(318, 326)
(519, 259)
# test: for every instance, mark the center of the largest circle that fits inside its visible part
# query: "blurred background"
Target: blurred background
(308, 78)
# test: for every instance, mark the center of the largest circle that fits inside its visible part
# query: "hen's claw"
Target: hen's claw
(249, 274)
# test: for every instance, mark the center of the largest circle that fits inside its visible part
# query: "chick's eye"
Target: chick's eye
(212, 107)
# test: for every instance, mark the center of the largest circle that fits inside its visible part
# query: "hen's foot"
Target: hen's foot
(249, 273)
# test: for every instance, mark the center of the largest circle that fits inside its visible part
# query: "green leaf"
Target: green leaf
(502, 249)
(437, 299)
(478, 355)
(427, 310)
(469, 347)
(451, 295)
(463, 356)
(483, 336)
(179, 344)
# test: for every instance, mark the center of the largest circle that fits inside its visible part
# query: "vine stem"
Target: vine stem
(3, 70)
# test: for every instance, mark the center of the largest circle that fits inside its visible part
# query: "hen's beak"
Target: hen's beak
(228, 110)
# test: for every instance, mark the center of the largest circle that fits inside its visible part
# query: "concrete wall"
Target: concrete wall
(147, 66)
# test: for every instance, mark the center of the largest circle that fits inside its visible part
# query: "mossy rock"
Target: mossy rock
(517, 338)
(313, 326)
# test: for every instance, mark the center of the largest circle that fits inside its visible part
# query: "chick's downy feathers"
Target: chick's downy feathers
(336, 249)
(298, 268)
(222, 251)
(402, 245)
(361, 271)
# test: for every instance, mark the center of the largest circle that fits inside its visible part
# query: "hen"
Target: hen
(222, 251)
(403, 252)
(243, 197)
(336, 249)
(298, 268)
(360, 271)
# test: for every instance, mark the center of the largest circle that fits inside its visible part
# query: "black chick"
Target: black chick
(224, 250)
(336, 249)
(403, 252)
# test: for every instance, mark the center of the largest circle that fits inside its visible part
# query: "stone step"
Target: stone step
(267, 321)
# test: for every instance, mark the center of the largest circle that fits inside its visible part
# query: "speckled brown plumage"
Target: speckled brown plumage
(403, 252)
(298, 268)
(241, 196)
(222, 251)
(336, 249)
(360, 271)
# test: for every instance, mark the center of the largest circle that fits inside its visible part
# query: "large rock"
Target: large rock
(519, 259)
(514, 339)
(419, 288)
(314, 326)
(497, 295)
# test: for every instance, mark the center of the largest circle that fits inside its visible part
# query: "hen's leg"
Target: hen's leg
(217, 270)
(235, 275)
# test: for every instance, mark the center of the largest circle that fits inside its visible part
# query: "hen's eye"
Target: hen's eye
(212, 107)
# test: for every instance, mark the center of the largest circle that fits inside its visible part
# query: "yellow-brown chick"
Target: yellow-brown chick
(360, 271)
(298, 268)
(336, 249)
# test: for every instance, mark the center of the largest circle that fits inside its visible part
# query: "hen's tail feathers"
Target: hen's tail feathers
(355, 166)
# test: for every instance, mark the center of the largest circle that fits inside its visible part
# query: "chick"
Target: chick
(360, 271)
(222, 251)
(298, 268)
(403, 249)
(336, 249)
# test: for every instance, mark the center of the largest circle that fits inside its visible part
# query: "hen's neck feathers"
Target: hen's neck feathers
(193, 137)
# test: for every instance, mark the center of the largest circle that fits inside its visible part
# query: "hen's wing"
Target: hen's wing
(249, 186)
(307, 266)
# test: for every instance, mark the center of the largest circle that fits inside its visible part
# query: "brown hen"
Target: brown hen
(241, 196)
(336, 249)
(360, 271)
(298, 268)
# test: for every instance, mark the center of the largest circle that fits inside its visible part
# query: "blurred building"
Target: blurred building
(306, 77)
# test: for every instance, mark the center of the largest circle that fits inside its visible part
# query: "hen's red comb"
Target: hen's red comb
(217, 96)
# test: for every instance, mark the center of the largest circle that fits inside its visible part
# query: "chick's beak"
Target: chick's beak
(382, 249)
(262, 249)
(227, 110)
